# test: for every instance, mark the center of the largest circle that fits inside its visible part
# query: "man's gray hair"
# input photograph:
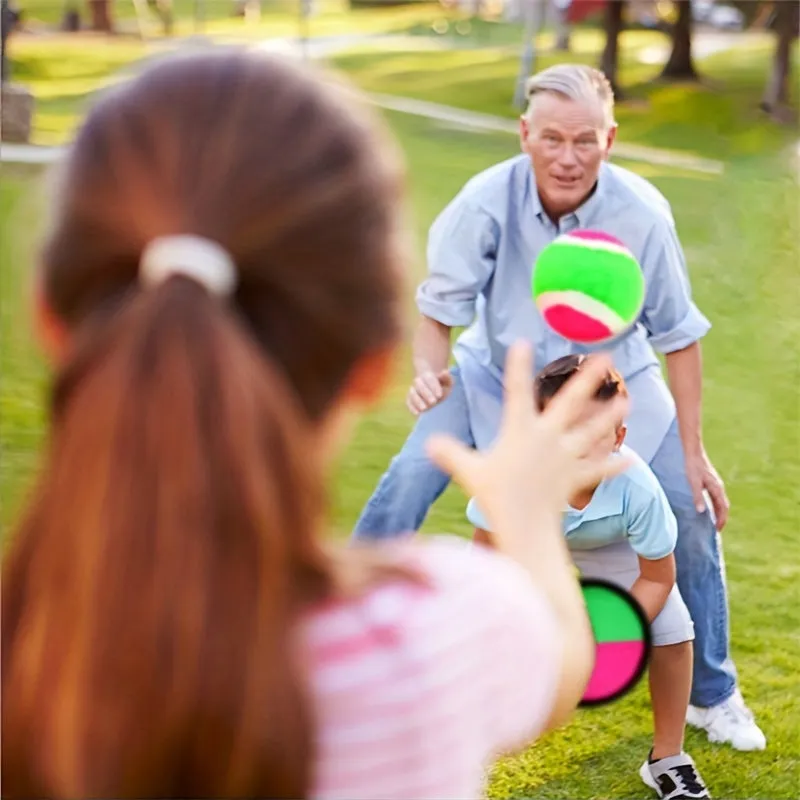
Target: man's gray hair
(575, 82)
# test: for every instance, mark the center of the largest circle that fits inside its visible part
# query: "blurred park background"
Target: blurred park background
(707, 106)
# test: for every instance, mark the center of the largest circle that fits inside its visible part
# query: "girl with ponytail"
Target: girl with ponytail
(220, 287)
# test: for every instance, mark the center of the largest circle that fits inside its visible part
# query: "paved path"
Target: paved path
(28, 154)
(705, 44)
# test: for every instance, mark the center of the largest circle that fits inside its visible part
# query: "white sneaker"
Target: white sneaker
(674, 778)
(730, 722)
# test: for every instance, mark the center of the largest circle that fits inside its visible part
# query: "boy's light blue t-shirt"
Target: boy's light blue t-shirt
(631, 506)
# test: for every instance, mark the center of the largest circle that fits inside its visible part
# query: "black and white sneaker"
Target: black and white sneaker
(674, 778)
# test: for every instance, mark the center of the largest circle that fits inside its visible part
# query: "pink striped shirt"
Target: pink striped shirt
(417, 689)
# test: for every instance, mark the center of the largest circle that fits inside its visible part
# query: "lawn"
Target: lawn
(276, 18)
(741, 234)
(65, 71)
(715, 118)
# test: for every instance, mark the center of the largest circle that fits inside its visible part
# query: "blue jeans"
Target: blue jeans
(701, 577)
(412, 484)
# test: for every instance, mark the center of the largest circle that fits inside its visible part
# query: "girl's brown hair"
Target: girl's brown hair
(151, 591)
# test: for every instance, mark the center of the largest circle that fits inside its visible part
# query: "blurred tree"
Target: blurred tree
(534, 11)
(163, 9)
(562, 25)
(679, 65)
(71, 17)
(101, 15)
(9, 19)
(609, 60)
(753, 11)
(785, 22)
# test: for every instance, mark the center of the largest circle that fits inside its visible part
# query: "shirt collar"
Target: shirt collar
(606, 502)
(583, 213)
(530, 189)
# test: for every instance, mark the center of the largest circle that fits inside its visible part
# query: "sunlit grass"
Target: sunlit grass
(276, 18)
(63, 74)
(718, 117)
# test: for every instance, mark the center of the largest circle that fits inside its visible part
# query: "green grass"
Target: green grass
(278, 17)
(64, 73)
(717, 118)
(741, 235)
(22, 375)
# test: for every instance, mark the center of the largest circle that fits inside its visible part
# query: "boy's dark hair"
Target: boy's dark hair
(548, 381)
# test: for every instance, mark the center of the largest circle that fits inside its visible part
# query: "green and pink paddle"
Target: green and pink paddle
(622, 637)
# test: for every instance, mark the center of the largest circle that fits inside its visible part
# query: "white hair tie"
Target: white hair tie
(195, 257)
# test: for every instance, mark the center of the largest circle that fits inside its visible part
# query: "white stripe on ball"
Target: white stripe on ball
(586, 305)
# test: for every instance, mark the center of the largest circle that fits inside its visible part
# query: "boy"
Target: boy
(622, 530)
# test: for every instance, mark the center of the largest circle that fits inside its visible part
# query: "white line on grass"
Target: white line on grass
(457, 117)
(472, 120)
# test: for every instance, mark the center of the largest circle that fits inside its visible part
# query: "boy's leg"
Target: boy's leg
(671, 657)
(670, 685)
(670, 675)
(413, 483)
(668, 770)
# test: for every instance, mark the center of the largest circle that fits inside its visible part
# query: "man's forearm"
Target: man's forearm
(431, 346)
(685, 374)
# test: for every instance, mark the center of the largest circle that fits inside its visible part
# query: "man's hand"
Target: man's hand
(427, 390)
(704, 478)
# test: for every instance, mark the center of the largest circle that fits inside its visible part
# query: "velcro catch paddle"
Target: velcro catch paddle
(622, 641)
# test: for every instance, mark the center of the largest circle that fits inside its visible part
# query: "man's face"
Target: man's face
(567, 144)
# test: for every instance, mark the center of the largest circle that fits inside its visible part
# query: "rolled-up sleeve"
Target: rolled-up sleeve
(671, 318)
(462, 247)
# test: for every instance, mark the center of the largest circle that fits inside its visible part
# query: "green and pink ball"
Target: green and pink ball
(588, 287)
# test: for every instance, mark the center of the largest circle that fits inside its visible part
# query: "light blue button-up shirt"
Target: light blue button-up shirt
(481, 254)
(629, 507)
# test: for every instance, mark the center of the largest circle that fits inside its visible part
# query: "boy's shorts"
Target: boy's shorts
(618, 563)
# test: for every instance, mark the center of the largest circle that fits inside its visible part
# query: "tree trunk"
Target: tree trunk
(163, 9)
(609, 61)
(562, 27)
(70, 17)
(101, 16)
(680, 66)
(534, 20)
(9, 19)
(786, 24)
(71, 21)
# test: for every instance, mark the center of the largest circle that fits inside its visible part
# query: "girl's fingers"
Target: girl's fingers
(570, 402)
(518, 403)
(595, 471)
(454, 458)
(584, 435)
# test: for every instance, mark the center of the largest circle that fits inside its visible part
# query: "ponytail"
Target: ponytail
(147, 644)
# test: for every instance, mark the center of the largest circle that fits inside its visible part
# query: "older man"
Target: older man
(481, 253)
